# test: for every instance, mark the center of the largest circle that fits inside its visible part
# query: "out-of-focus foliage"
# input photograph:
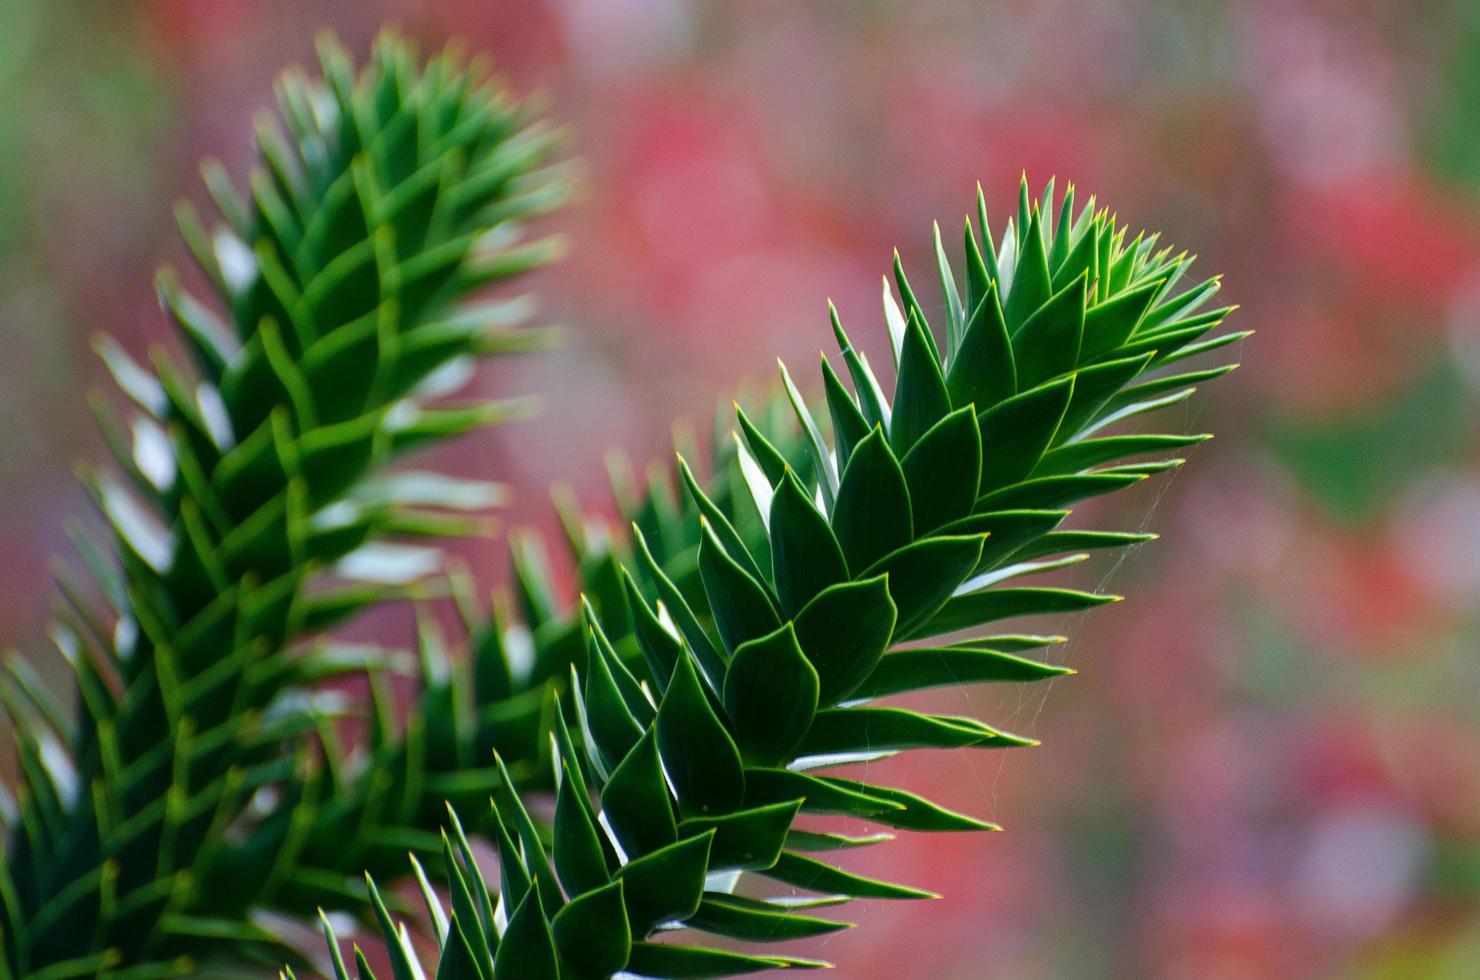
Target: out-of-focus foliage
(1270, 773)
(204, 777)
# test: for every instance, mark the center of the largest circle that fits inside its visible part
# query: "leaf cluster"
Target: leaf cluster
(255, 507)
(764, 622)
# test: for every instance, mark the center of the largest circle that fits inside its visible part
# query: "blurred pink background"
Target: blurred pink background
(1269, 764)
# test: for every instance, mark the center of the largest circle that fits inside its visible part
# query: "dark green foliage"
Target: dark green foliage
(203, 775)
(766, 613)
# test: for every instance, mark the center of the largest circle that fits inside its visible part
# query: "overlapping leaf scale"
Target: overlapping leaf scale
(768, 613)
(203, 774)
